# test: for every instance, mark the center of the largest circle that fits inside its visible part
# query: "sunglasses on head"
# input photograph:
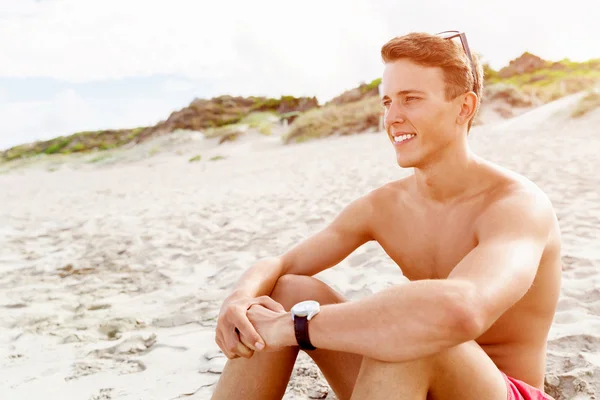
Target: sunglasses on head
(465, 45)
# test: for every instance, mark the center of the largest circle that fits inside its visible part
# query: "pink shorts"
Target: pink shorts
(519, 390)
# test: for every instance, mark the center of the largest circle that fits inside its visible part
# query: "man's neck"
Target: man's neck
(448, 177)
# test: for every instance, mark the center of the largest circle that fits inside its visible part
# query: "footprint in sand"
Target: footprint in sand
(567, 303)
(585, 272)
(594, 307)
(120, 365)
(85, 368)
(588, 343)
(104, 394)
(570, 316)
(214, 362)
(116, 357)
(563, 363)
(570, 262)
(579, 375)
(138, 344)
(114, 328)
(568, 387)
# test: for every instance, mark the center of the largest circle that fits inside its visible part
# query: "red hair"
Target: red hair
(433, 51)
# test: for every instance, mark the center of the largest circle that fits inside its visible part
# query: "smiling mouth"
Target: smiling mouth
(404, 137)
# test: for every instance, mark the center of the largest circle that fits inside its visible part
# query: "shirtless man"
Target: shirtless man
(480, 245)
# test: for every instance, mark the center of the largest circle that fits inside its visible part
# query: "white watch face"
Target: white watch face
(306, 308)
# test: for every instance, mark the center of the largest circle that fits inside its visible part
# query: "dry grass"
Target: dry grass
(331, 120)
(589, 102)
(552, 80)
(510, 94)
(262, 122)
(226, 131)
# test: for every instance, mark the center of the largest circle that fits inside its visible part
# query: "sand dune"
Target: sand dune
(114, 271)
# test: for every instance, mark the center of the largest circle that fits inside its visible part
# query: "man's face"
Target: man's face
(416, 108)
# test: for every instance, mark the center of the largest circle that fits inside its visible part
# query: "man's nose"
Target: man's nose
(393, 116)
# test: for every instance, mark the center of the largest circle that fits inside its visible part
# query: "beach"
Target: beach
(113, 271)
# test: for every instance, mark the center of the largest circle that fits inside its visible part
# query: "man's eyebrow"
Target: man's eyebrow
(404, 92)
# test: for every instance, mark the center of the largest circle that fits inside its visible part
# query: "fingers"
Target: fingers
(242, 350)
(236, 336)
(232, 346)
(249, 335)
(269, 303)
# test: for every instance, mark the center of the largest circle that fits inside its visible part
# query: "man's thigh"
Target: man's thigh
(463, 372)
(466, 372)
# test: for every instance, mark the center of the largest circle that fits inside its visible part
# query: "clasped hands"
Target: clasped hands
(246, 325)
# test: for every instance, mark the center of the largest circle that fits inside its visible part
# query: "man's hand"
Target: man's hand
(275, 327)
(235, 335)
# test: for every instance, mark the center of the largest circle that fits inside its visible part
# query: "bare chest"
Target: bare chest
(426, 244)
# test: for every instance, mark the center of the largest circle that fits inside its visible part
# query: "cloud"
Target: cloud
(261, 47)
(68, 112)
(266, 46)
(87, 40)
(258, 46)
(24, 121)
(178, 85)
(503, 32)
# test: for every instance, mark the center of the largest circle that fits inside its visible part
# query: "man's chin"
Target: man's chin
(404, 162)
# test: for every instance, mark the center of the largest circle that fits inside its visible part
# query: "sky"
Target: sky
(74, 65)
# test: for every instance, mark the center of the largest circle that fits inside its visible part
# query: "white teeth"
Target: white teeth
(402, 138)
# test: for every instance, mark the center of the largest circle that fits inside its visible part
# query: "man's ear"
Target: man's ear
(467, 108)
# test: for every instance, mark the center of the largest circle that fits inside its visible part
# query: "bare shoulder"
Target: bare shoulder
(517, 202)
(369, 210)
(364, 210)
(389, 192)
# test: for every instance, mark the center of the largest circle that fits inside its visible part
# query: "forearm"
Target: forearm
(402, 323)
(259, 279)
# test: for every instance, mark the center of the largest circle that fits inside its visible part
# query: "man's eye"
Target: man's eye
(385, 103)
(410, 98)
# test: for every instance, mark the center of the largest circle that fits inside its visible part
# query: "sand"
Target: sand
(113, 271)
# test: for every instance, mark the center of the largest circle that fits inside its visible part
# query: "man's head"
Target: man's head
(429, 91)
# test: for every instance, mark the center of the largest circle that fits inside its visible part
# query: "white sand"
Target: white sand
(113, 272)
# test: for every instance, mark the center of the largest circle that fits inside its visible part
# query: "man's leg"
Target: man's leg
(463, 372)
(266, 375)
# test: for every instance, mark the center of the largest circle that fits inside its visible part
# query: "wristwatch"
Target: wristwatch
(302, 313)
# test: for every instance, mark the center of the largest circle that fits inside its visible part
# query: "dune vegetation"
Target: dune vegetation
(332, 119)
(591, 101)
(548, 80)
(75, 143)
(527, 81)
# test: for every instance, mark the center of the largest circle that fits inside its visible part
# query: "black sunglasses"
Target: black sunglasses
(465, 45)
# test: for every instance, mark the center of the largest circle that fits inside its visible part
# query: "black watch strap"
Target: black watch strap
(301, 330)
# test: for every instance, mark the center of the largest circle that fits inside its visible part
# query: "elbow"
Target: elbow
(465, 312)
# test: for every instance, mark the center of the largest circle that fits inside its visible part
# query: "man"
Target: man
(479, 244)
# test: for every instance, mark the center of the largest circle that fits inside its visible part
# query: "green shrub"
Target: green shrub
(77, 147)
(58, 146)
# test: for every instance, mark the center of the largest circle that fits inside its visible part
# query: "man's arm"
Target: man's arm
(349, 230)
(422, 318)
(235, 335)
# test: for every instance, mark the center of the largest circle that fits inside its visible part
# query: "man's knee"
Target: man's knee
(292, 289)
(451, 357)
